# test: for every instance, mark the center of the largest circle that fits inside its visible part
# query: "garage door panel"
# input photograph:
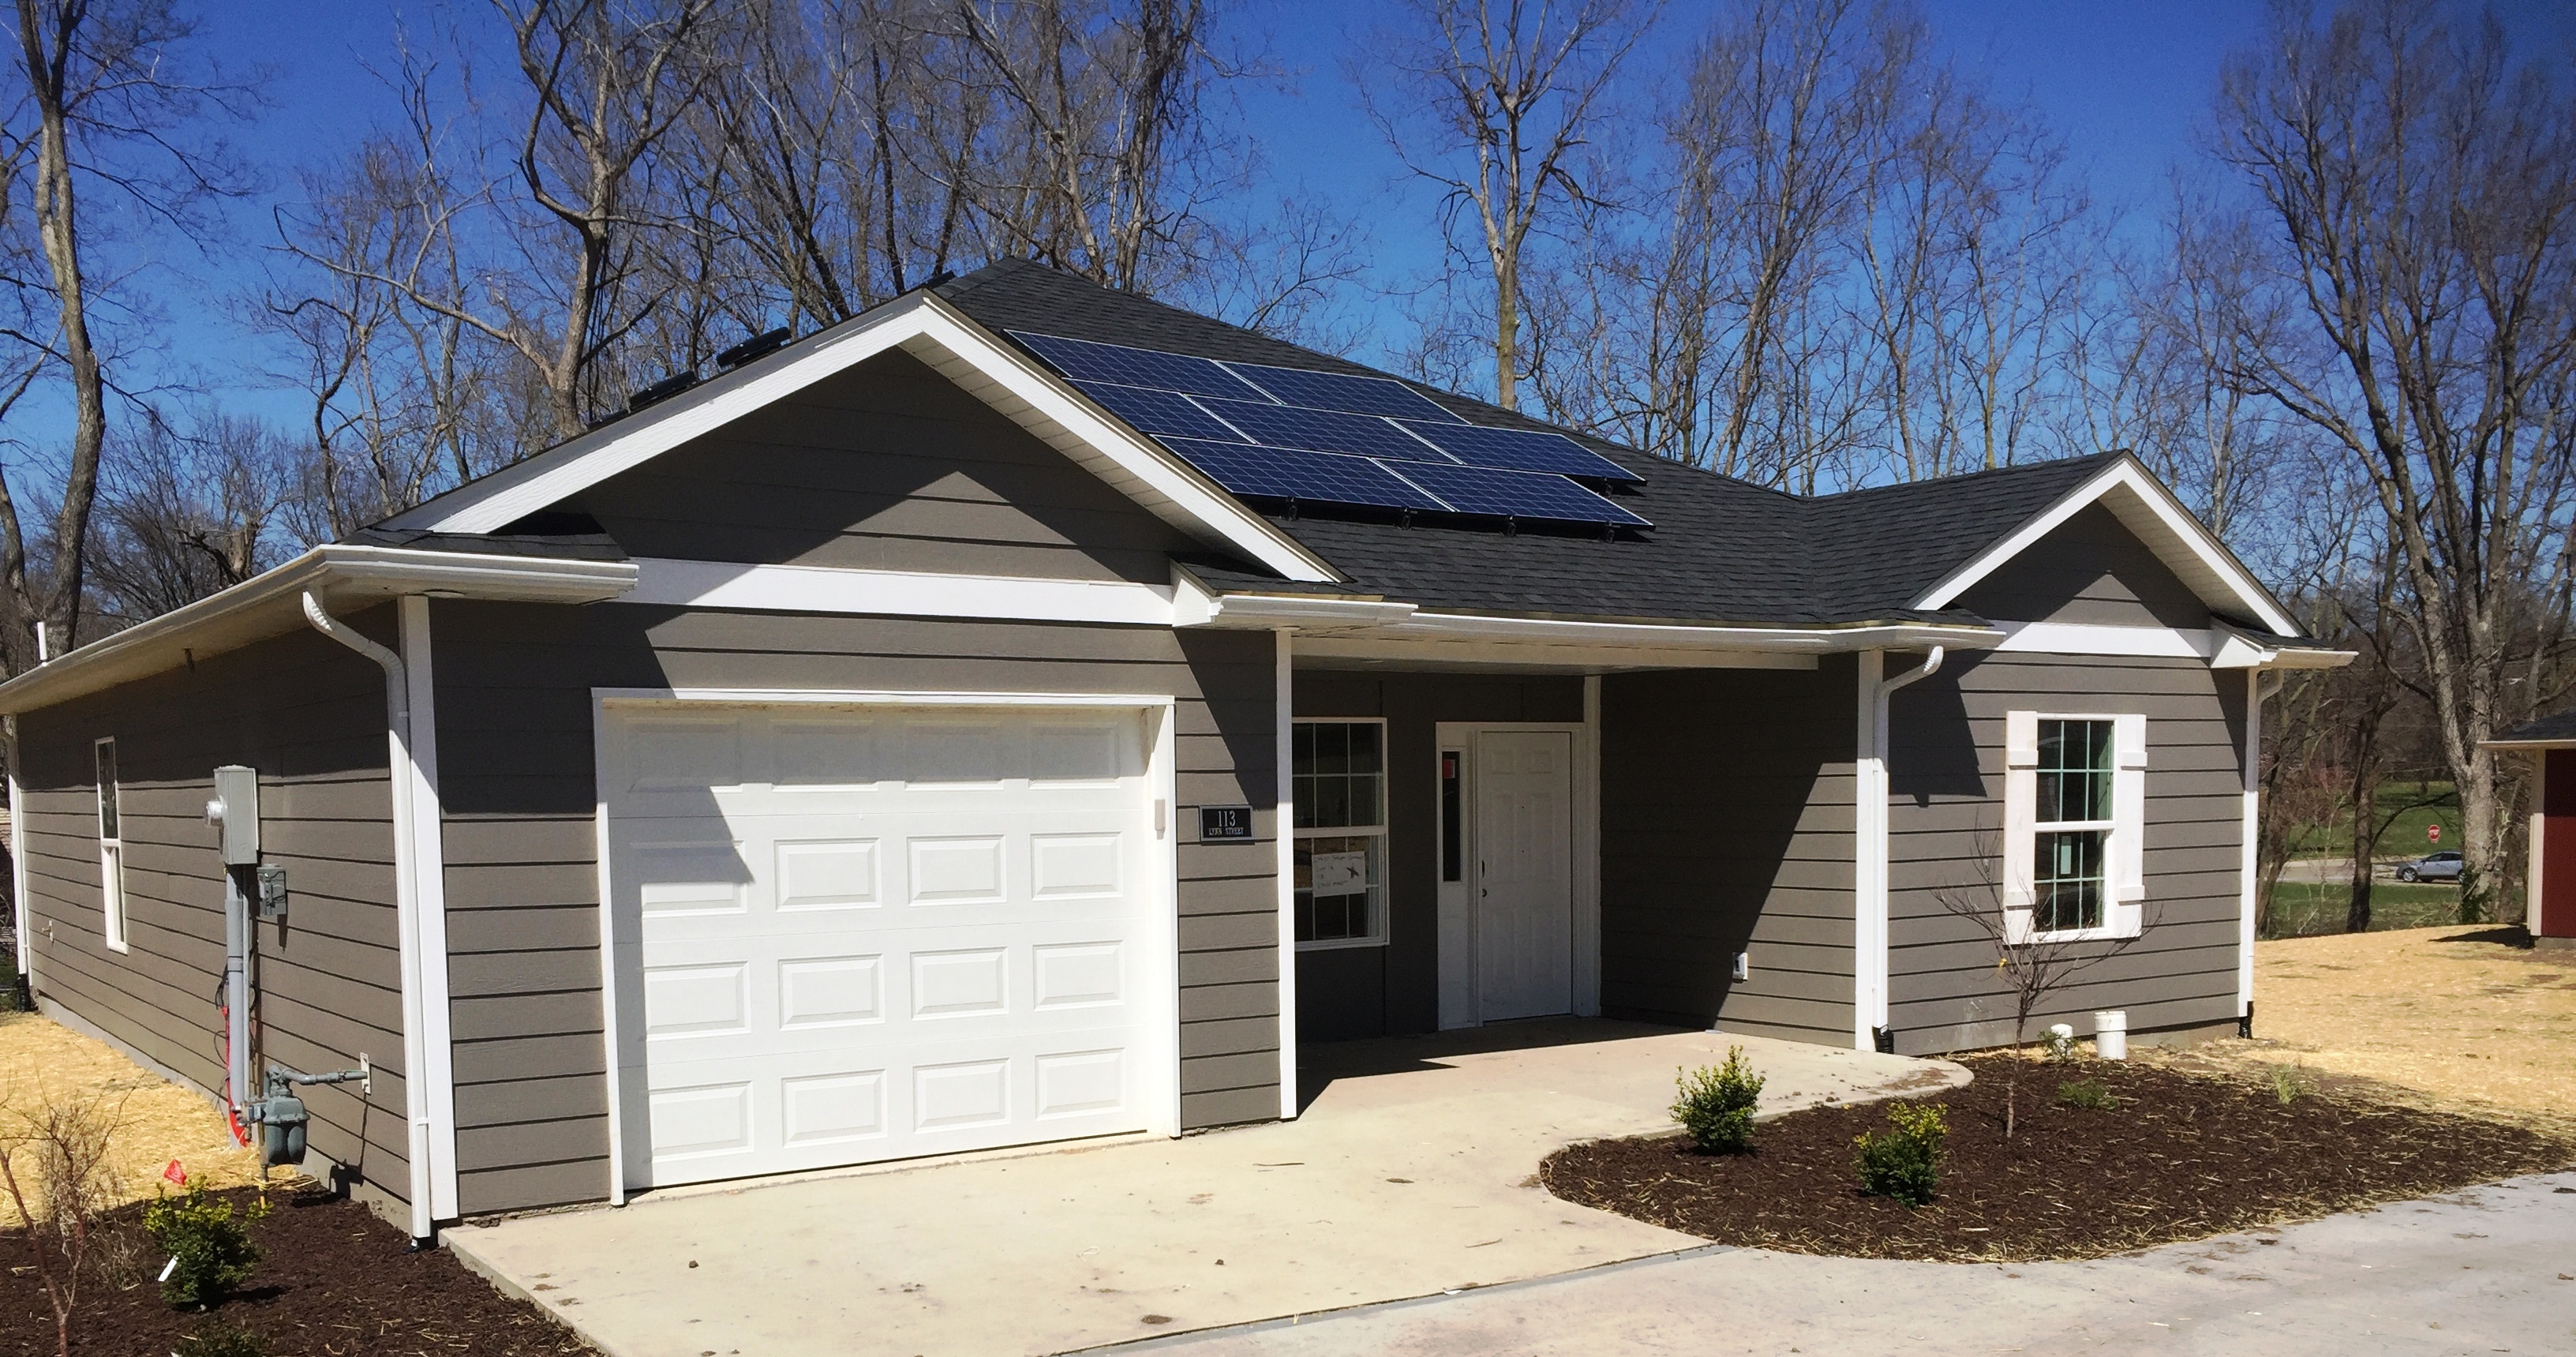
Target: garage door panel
(890, 933)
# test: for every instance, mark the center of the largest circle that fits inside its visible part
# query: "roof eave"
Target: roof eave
(270, 604)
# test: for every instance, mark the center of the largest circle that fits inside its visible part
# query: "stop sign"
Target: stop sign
(2432, 833)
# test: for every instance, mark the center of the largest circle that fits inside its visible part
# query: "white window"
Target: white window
(1339, 777)
(111, 849)
(2074, 826)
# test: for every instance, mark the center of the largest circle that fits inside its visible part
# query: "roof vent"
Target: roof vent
(661, 391)
(753, 347)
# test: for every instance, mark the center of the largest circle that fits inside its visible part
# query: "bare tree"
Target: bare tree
(2418, 245)
(1498, 99)
(110, 99)
(188, 514)
(55, 1167)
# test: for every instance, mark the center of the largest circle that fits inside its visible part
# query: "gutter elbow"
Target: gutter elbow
(1931, 665)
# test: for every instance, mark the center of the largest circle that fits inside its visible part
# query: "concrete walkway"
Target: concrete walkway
(1410, 1174)
(2492, 1269)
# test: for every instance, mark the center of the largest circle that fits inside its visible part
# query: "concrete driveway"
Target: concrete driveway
(2492, 1269)
(1410, 1174)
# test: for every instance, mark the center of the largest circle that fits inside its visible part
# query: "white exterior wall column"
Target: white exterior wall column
(428, 870)
(1869, 853)
(1284, 819)
(2251, 864)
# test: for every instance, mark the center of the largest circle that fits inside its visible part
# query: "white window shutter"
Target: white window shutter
(2021, 813)
(2129, 837)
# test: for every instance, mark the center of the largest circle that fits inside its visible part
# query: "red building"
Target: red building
(2551, 743)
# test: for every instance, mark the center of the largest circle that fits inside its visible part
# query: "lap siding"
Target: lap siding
(514, 711)
(310, 716)
(1948, 778)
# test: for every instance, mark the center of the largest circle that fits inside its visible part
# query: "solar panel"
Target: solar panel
(1158, 412)
(1085, 361)
(1287, 426)
(1334, 391)
(1516, 494)
(1522, 450)
(1322, 477)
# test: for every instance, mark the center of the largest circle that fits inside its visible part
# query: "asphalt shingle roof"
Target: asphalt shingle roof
(2559, 727)
(1721, 550)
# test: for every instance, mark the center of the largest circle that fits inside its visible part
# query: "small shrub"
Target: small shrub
(1904, 1161)
(215, 1338)
(211, 1241)
(2288, 1084)
(2059, 1043)
(2091, 1094)
(1716, 1104)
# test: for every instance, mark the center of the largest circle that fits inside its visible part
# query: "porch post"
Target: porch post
(1869, 854)
(1284, 820)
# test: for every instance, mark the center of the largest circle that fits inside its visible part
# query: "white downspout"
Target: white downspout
(2260, 685)
(18, 860)
(406, 903)
(1870, 854)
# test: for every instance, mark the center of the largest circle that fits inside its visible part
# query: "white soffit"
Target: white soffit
(940, 336)
(2148, 510)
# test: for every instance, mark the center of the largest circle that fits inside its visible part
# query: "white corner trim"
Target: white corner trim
(2249, 833)
(20, 906)
(1283, 828)
(428, 868)
(910, 322)
(608, 1000)
(1869, 853)
(896, 593)
(2208, 556)
(1587, 855)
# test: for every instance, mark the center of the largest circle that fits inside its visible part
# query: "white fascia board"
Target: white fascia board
(270, 604)
(2085, 638)
(914, 323)
(2151, 511)
(2236, 648)
(1682, 636)
(896, 593)
(1587, 659)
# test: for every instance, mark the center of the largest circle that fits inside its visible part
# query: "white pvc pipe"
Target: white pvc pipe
(406, 901)
(2111, 1034)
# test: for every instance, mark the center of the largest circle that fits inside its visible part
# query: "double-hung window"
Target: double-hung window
(1338, 774)
(2074, 826)
(111, 849)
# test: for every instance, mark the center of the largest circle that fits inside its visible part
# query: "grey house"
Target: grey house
(1027, 712)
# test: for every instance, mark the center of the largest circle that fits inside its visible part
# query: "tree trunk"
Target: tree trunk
(2365, 838)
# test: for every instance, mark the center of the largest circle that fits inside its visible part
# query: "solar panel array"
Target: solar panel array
(1331, 438)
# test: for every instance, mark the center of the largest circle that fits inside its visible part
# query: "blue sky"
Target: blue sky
(2124, 83)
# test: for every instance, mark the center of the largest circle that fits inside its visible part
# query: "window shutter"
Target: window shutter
(2021, 813)
(2129, 836)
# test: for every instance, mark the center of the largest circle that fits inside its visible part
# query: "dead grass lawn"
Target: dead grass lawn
(2450, 1012)
(158, 1121)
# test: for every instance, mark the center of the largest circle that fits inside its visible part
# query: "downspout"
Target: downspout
(1870, 923)
(2261, 685)
(406, 904)
(18, 866)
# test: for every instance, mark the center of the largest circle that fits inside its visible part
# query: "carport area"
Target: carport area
(1409, 1174)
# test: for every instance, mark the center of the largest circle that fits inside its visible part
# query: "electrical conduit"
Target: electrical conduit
(406, 901)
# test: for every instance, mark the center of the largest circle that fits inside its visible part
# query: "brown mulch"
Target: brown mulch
(2180, 1156)
(335, 1281)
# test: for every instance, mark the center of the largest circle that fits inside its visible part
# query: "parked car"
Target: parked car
(2443, 866)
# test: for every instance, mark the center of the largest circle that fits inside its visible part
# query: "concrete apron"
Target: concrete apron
(1411, 1174)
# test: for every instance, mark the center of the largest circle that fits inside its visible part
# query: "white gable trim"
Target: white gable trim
(938, 334)
(2150, 511)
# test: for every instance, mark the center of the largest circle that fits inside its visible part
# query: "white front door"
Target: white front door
(859, 933)
(1524, 846)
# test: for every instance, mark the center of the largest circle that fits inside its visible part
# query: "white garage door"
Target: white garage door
(872, 932)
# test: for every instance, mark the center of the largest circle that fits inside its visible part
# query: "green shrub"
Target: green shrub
(215, 1338)
(2288, 1084)
(2087, 1093)
(1716, 1104)
(210, 1241)
(1904, 1161)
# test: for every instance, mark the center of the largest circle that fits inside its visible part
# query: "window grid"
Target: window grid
(2070, 869)
(1338, 777)
(111, 848)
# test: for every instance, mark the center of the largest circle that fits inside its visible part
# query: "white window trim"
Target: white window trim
(111, 855)
(2123, 912)
(1379, 919)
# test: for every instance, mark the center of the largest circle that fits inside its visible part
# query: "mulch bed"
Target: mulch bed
(2179, 1156)
(335, 1282)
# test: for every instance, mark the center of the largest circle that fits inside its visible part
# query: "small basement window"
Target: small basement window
(111, 848)
(1338, 773)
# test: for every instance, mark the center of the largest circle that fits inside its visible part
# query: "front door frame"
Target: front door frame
(1460, 1002)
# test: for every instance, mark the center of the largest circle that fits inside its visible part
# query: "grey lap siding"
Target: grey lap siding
(310, 716)
(514, 714)
(1726, 826)
(1350, 992)
(884, 466)
(2089, 570)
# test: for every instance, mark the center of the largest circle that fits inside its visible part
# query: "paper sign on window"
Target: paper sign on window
(1340, 873)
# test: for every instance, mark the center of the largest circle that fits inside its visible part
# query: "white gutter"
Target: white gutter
(398, 775)
(265, 606)
(1325, 615)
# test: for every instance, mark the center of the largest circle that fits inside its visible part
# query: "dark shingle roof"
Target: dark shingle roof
(2548, 728)
(1722, 550)
(577, 546)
